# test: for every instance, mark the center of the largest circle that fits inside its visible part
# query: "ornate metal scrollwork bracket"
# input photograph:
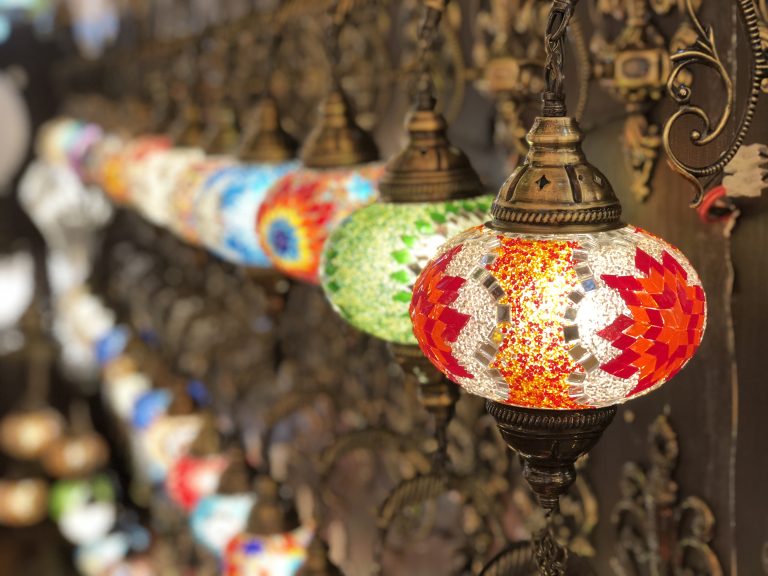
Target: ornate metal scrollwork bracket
(656, 533)
(705, 51)
(634, 68)
(510, 56)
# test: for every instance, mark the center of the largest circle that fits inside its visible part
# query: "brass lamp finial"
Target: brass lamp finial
(556, 187)
(269, 515)
(269, 143)
(430, 168)
(337, 140)
(318, 563)
(235, 479)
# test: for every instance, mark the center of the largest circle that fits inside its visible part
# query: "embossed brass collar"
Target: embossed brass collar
(430, 168)
(556, 189)
(269, 143)
(337, 140)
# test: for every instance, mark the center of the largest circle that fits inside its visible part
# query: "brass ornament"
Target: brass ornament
(656, 532)
(26, 434)
(75, 455)
(635, 68)
(337, 140)
(705, 51)
(270, 515)
(429, 168)
(510, 56)
(317, 562)
(265, 141)
(23, 502)
(556, 189)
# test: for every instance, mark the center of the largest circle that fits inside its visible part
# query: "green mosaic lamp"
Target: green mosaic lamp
(428, 193)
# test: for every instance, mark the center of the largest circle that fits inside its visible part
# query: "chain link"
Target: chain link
(554, 45)
(550, 555)
(427, 38)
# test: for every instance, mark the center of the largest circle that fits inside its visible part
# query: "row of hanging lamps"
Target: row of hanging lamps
(229, 203)
(428, 193)
(29, 430)
(555, 311)
(339, 174)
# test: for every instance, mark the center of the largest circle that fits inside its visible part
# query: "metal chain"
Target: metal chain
(554, 45)
(425, 99)
(550, 555)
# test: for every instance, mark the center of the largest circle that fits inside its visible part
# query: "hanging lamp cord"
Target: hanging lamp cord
(554, 45)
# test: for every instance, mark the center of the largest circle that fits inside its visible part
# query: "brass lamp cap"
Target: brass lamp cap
(430, 168)
(337, 140)
(317, 562)
(556, 188)
(269, 515)
(236, 478)
(269, 143)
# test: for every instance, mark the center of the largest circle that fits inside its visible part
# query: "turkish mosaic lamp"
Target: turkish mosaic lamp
(84, 509)
(338, 176)
(219, 517)
(229, 205)
(428, 194)
(555, 303)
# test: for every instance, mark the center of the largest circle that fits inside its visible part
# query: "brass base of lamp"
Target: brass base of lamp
(549, 443)
(435, 392)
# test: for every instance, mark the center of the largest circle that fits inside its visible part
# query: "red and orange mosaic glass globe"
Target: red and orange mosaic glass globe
(552, 321)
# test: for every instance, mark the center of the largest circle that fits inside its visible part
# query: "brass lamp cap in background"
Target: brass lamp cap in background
(430, 168)
(269, 515)
(317, 562)
(556, 188)
(269, 144)
(236, 478)
(336, 140)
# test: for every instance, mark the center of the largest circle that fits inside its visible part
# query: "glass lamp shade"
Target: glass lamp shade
(123, 385)
(227, 209)
(552, 321)
(220, 517)
(23, 502)
(303, 207)
(165, 440)
(190, 186)
(55, 139)
(133, 160)
(153, 186)
(87, 137)
(192, 478)
(110, 169)
(274, 555)
(372, 259)
(95, 558)
(84, 509)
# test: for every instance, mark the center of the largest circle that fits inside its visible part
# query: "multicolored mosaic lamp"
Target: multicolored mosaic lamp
(555, 311)
(228, 206)
(273, 544)
(338, 176)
